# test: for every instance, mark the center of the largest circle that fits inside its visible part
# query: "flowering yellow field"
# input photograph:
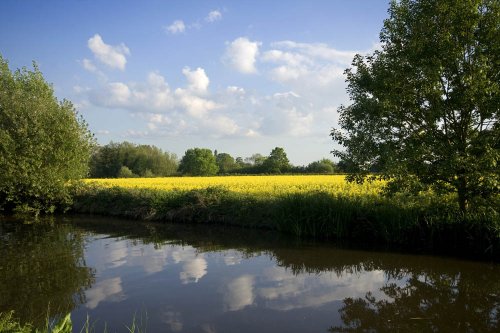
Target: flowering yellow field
(249, 184)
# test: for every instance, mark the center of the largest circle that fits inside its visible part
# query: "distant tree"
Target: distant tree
(344, 167)
(240, 163)
(125, 172)
(277, 162)
(425, 107)
(256, 159)
(142, 160)
(106, 161)
(198, 162)
(321, 166)
(43, 142)
(225, 162)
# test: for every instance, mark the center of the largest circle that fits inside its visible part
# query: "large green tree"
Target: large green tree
(198, 162)
(277, 162)
(43, 142)
(425, 107)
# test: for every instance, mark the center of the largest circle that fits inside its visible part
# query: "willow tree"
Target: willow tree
(43, 142)
(425, 107)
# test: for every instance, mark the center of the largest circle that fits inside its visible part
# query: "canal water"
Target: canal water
(195, 278)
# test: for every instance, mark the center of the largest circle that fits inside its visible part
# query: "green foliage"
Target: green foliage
(198, 162)
(142, 160)
(277, 162)
(322, 166)
(427, 104)
(43, 142)
(225, 162)
(9, 325)
(125, 172)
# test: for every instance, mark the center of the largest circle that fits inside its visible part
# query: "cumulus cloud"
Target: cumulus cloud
(213, 16)
(111, 56)
(318, 50)
(311, 77)
(176, 27)
(198, 80)
(241, 54)
(313, 65)
(113, 94)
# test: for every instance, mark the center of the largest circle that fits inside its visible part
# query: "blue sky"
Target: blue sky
(241, 77)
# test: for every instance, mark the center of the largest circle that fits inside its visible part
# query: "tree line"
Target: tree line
(125, 160)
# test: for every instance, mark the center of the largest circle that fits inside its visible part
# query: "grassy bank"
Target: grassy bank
(10, 324)
(427, 222)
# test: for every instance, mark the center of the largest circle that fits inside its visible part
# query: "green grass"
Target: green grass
(9, 324)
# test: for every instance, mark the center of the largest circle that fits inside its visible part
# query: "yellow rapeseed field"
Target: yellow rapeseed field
(271, 185)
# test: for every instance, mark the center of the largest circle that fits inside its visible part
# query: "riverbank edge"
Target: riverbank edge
(431, 227)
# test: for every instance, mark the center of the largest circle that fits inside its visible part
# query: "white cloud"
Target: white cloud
(112, 56)
(197, 79)
(114, 95)
(311, 76)
(286, 73)
(88, 65)
(213, 16)
(291, 59)
(241, 54)
(318, 50)
(187, 110)
(310, 65)
(286, 95)
(176, 27)
(195, 106)
(235, 90)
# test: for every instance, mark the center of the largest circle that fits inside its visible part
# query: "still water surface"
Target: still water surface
(178, 278)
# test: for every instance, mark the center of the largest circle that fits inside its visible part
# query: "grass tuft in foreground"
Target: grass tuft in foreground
(9, 324)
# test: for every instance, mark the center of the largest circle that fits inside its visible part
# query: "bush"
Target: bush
(43, 143)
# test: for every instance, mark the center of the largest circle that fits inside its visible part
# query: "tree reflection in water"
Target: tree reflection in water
(42, 270)
(428, 302)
